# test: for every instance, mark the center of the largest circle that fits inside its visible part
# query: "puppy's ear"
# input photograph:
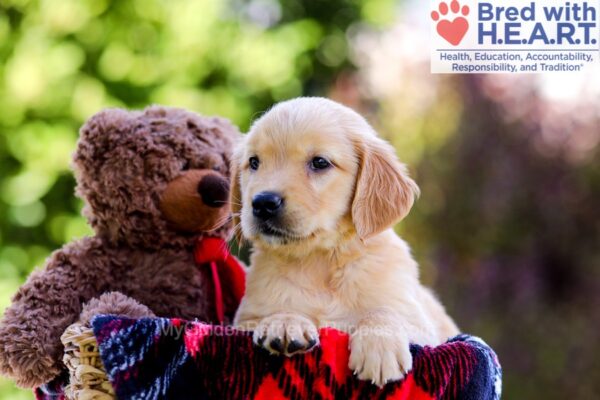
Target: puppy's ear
(235, 197)
(384, 193)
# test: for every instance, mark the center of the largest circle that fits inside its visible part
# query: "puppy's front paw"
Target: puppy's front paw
(286, 334)
(379, 357)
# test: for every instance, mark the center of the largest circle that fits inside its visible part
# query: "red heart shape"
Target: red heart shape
(453, 31)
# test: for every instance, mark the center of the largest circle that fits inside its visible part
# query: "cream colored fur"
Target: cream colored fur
(338, 262)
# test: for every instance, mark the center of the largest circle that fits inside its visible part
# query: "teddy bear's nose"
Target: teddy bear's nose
(214, 190)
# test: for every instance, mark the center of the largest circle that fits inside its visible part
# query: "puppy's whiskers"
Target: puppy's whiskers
(235, 200)
(227, 201)
(237, 231)
(220, 222)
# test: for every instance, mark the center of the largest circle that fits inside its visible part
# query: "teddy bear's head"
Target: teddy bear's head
(155, 178)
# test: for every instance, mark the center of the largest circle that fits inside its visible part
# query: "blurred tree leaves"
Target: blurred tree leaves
(64, 60)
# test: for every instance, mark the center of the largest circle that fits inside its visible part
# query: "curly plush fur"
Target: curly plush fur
(138, 263)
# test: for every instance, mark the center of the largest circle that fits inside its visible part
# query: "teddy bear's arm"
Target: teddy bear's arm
(113, 303)
(50, 300)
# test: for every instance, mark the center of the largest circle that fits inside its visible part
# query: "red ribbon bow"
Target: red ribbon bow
(224, 267)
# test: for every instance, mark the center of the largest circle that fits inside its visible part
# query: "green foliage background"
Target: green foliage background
(63, 60)
(506, 233)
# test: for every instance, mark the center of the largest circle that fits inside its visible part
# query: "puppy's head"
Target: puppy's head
(313, 171)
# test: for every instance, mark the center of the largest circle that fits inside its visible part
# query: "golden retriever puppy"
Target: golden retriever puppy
(317, 193)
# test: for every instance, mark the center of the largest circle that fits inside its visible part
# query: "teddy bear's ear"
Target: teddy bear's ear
(99, 135)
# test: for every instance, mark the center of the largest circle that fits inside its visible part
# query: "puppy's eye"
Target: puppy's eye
(319, 163)
(185, 166)
(254, 162)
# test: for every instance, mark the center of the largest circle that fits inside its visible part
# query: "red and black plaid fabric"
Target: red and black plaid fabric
(163, 358)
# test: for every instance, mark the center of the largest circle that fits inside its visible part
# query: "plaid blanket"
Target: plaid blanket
(162, 358)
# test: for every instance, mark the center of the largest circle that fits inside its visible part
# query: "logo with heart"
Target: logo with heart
(451, 26)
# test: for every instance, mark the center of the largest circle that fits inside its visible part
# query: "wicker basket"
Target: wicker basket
(87, 377)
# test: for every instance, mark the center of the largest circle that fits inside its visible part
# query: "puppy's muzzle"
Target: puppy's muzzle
(267, 205)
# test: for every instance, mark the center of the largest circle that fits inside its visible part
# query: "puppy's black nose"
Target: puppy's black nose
(214, 190)
(267, 205)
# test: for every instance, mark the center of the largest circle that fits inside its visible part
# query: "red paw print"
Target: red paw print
(452, 31)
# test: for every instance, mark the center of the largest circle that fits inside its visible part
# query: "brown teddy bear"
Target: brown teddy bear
(153, 183)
